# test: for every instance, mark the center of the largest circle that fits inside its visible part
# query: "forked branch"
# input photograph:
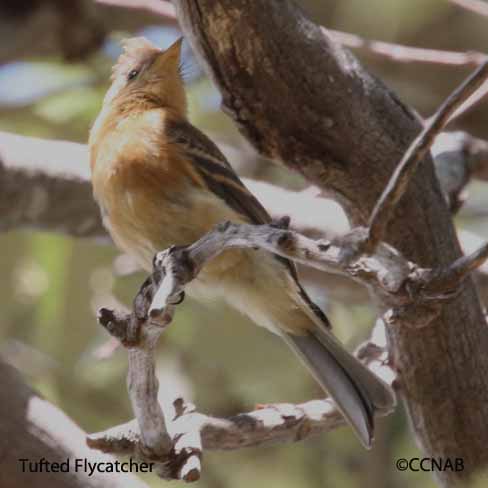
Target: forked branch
(397, 186)
(174, 440)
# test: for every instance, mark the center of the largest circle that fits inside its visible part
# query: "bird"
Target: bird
(159, 181)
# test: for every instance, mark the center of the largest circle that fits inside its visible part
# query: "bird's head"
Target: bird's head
(145, 75)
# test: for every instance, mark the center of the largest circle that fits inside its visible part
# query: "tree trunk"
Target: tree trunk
(307, 103)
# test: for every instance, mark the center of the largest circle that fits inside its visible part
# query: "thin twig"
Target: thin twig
(162, 8)
(467, 264)
(448, 280)
(398, 184)
(407, 54)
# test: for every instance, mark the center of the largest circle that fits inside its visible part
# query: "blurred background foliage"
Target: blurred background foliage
(52, 285)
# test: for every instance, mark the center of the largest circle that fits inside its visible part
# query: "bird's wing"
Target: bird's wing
(215, 170)
(221, 180)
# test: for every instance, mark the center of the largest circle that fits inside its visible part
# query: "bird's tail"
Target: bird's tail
(278, 302)
(357, 392)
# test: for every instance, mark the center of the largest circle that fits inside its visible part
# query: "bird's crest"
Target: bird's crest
(136, 51)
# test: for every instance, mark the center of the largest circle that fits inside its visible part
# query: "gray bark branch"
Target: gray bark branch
(328, 99)
(407, 54)
(177, 444)
(188, 431)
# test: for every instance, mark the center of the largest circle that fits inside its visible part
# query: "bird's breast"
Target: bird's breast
(151, 196)
(150, 210)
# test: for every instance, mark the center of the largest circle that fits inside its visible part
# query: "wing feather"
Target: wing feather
(221, 179)
(216, 172)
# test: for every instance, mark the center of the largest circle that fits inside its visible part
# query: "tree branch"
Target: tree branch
(154, 307)
(76, 29)
(397, 186)
(406, 54)
(328, 99)
(476, 6)
(451, 278)
(32, 428)
(132, 15)
(36, 175)
(44, 184)
(403, 284)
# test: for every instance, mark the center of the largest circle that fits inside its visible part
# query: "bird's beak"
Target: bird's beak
(170, 58)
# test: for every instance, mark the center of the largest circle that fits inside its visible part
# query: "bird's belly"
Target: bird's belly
(143, 227)
(246, 279)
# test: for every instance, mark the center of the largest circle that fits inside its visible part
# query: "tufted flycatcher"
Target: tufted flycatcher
(159, 181)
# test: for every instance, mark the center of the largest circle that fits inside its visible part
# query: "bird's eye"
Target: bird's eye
(132, 74)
